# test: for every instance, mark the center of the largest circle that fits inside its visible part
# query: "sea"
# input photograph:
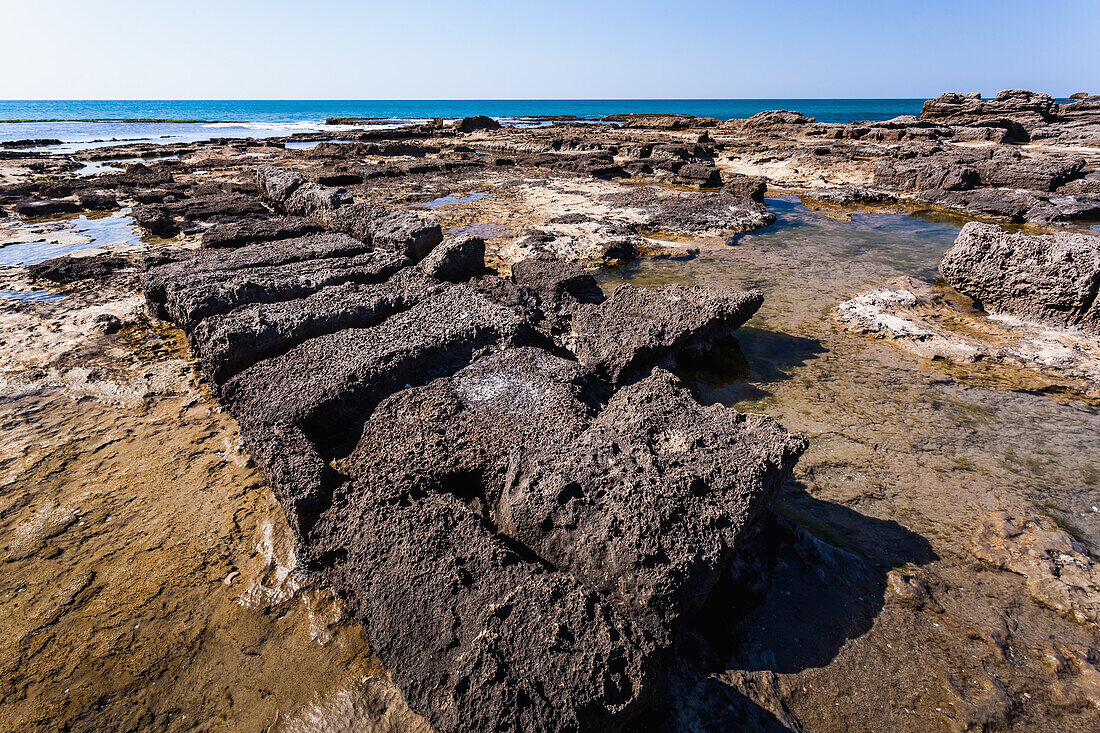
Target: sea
(83, 124)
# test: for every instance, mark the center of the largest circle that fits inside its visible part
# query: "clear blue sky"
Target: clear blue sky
(338, 49)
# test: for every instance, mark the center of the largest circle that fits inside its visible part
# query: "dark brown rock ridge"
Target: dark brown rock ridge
(1053, 278)
(408, 232)
(522, 507)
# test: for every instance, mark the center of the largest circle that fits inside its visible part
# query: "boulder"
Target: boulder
(558, 286)
(741, 186)
(276, 184)
(315, 201)
(1048, 278)
(478, 122)
(650, 502)
(456, 259)
(406, 232)
(477, 635)
(636, 329)
(96, 200)
(155, 220)
(699, 174)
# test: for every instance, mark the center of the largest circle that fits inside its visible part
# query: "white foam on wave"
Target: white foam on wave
(312, 126)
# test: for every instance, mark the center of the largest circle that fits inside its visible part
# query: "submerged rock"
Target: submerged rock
(1059, 569)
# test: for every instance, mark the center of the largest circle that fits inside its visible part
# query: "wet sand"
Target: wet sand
(149, 576)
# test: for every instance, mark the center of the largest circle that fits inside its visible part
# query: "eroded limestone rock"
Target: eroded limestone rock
(1049, 278)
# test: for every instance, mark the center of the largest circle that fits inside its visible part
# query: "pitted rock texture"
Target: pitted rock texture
(1052, 278)
(525, 540)
(637, 328)
(409, 233)
(642, 505)
(249, 231)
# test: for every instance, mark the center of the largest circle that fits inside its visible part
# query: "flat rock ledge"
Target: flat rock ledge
(500, 476)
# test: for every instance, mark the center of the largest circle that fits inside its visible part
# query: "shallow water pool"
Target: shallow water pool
(116, 230)
(451, 199)
(928, 443)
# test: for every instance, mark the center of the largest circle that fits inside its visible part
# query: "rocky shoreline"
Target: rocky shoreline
(496, 464)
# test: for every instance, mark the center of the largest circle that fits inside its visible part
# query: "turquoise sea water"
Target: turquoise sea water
(288, 111)
(264, 118)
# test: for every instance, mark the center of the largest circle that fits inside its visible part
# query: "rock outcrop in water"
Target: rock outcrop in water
(522, 507)
(1052, 278)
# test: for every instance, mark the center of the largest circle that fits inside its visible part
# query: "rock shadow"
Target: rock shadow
(734, 369)
(818, 580)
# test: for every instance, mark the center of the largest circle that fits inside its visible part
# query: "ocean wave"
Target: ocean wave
(309, 126)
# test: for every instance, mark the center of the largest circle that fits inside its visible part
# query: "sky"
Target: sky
(573, 49)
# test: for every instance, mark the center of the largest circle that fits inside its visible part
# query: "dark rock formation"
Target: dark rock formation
(772, 121)
(169, 217)
(849, 196)
(71, 269)
(250, 231)
(692, 213)
(456, 259)
(926, 173)
(218, 265)
(409, 233)
(559, 287)
(230, 342)
(93, 200)
(35, 208)
(1050, 278)
(699, 174)
(1015, 103)
(742, 186)
(30, 143)
(479, 122)
(154, 220)
(1044, 173)
(619, 505)
(525, 546)
(189, 300)
(636, 328)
